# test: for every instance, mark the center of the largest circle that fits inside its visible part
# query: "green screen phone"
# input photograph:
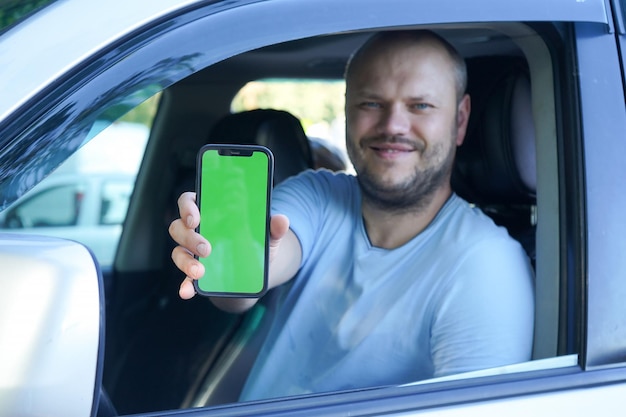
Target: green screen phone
(233, 188)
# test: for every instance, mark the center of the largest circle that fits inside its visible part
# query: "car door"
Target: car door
(579, 113)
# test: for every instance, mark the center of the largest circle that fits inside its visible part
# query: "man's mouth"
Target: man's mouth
(393, 147)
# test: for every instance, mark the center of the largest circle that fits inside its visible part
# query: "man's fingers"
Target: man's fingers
(185, 261)
(188, 210)
(279, 224)
(186, 290)
(188, 238)
(183, 232)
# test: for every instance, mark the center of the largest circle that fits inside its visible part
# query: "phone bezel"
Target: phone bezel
(238, 150)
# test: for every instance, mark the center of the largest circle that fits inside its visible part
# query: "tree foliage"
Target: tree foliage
(13, 10)
(311, 101)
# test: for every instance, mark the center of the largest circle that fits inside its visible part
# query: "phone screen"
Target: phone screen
(234, 189)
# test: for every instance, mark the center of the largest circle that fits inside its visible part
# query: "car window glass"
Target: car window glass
(87, 197)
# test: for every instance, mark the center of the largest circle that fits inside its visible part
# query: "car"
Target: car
(89, 208)
(543, 158)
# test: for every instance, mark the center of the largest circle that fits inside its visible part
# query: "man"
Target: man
(397, 279)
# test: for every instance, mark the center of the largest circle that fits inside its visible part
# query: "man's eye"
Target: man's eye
(369, 105)
(420, 106)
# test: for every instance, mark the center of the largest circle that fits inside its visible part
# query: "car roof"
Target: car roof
(49, 56)
(54, 48)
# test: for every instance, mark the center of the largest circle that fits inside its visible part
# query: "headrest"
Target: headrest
(497, 162)
(277, 130)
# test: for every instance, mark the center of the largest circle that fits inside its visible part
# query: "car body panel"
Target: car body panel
(64, 53)
(51, 327)
(52, 56)
(541, 393)
(603, 147)
(157, 45)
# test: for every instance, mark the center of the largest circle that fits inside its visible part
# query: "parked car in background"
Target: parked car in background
(543, 157)
(88, 208)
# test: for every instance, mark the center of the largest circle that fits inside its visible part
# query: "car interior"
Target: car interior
(165, 353)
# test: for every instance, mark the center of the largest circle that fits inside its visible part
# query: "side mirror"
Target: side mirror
(51, 327)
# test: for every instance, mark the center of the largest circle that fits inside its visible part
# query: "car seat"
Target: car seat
(495, 168)
(277, 130)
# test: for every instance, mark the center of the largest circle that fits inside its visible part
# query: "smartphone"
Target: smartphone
(234, 186)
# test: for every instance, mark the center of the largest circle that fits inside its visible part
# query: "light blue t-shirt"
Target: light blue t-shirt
(457, 297)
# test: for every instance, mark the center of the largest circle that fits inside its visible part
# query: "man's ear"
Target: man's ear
(462, 118)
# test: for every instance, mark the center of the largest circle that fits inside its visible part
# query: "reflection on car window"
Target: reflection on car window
(86, 198)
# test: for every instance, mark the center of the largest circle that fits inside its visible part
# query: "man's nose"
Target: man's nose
(395, 121)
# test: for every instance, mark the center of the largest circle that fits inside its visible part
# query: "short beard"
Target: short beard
(413, 195)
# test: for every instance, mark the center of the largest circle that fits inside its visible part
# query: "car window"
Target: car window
(191, 108)
(319, 107)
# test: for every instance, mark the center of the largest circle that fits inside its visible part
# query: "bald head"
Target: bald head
(383, 42)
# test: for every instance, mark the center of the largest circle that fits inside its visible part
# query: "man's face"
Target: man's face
(403, 122)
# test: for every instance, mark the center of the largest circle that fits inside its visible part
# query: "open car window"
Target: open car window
(229, 349)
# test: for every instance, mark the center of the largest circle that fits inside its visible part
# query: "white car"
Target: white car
(87, 208)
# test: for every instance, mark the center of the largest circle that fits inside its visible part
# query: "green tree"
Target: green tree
(312, 101)
(12, 11)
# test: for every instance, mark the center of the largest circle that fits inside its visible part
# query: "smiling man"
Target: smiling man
(395, 278)
(406, 111)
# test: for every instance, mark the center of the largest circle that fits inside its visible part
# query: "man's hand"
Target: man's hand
(191, 243)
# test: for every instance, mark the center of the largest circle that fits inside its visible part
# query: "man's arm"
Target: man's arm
(285, 253)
